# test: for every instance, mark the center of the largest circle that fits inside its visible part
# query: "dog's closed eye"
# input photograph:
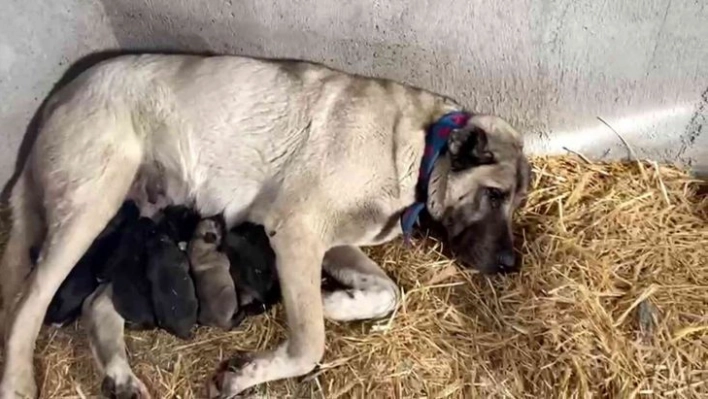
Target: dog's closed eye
(495, 196)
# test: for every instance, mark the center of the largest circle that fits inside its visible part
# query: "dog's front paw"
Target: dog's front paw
(225, 382)
(131, 388)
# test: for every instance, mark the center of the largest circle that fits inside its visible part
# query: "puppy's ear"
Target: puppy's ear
(469, 148)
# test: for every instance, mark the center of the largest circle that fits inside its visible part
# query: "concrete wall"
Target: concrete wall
(39, 40)
(550, 66)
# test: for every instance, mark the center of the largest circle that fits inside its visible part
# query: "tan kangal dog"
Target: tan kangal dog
(325, 160)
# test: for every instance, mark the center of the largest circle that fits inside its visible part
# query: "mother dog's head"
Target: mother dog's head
(474, 190)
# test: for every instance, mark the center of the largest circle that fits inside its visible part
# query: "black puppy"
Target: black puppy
(174, 298)
(179, 223)
(82, 280)
(252, 268)
(144, 263)
(132, 293)
(254, 271)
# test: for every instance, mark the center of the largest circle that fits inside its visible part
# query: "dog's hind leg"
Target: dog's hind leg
(82, 189)
(27, 231)
(372, 294)
(105, 328)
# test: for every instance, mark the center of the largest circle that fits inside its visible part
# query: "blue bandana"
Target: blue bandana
(435, 145)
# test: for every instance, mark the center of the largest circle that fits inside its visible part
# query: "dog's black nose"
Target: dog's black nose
(506, 261)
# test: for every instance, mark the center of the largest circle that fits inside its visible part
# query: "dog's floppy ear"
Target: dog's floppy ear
(469, 148)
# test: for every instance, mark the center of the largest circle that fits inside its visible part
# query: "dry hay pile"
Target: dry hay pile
(612, 302)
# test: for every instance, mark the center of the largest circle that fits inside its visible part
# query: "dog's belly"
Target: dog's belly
(233, 129)
(229, 194)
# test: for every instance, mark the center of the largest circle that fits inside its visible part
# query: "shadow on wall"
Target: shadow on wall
(242, 29)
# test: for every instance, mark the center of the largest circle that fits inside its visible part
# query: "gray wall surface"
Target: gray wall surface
(550, 66)
(39, 40)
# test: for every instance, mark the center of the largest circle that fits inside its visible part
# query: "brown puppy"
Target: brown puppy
(210, 269)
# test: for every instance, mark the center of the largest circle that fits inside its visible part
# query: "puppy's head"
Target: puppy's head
(209, 231)
(179, 222)
(475, 188)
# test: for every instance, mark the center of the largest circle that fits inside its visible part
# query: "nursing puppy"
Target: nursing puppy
(151, 286)
(127, 273)
(210, 269)
(83, 278)
(253, 269)
(174, 300)
(326, 161)
(179, 222)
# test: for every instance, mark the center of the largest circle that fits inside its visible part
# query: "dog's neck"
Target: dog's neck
(436, 139)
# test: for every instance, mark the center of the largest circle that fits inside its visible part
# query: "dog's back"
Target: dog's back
(168, 109)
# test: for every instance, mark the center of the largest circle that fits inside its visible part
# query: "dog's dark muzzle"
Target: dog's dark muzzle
(486, 247)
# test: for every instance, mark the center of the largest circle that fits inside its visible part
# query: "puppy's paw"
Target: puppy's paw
(225, 382)
(130, 388)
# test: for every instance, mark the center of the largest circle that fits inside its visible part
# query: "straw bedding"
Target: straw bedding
(612, 302)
